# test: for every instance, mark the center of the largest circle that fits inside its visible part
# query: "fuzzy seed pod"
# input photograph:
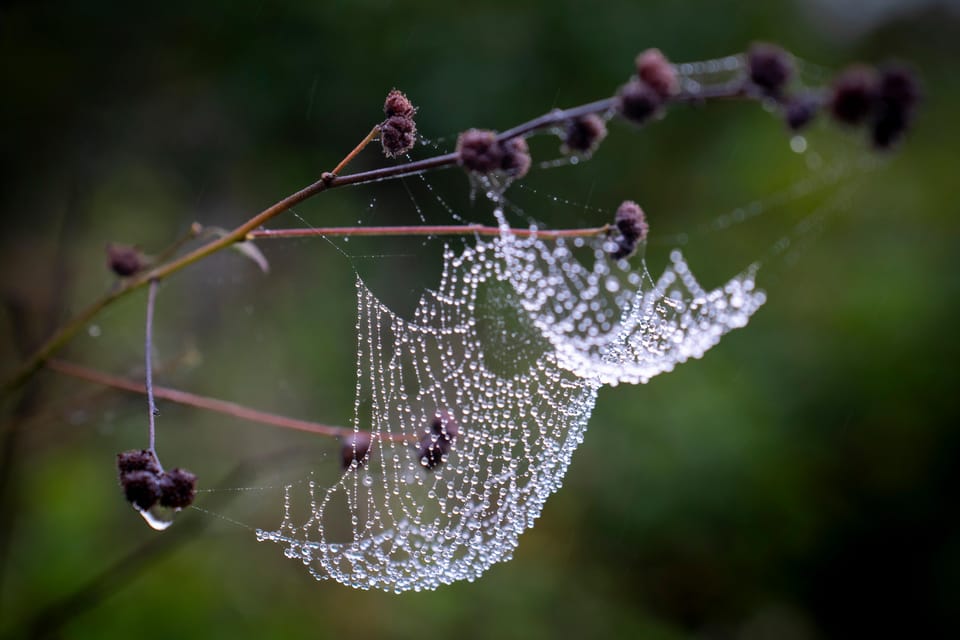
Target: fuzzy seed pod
(631, 222)
(177, 488)
(770, 67)
(140, 488)
(354, 449)
(898, 95)
(584, 134)
(800, 111)
(854, 95)
(397, 104)
(137, 460)
(479, 151)
(398, 135)
(516, 157)
(125, 260)
(654, 69)
(637, 101)
(435, 443)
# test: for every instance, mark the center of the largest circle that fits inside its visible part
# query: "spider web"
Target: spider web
(511, 392)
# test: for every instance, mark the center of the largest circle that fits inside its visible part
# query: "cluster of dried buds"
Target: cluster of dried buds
(884, 99)
(146, 484)
(398, 133)
(431, 449)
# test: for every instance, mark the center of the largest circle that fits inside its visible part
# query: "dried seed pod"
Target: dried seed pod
(177, 488)
(770, 67)
(354, 449)
(516, 157)
(584, 134)
(436, 441)
(125, 260)
(479, 151)
(637, 101)
(632, 225)
(398, 135)
(140, 488)
(654, 69)
(800, 111)
(854, 95)
(898, 94)
(397, 104)
(137, 460)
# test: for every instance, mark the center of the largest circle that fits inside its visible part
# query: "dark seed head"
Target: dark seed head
(398, 134)
(479, 151)
(516, 157)
(177, 488)
(898, 95)
(770, 67)
(637, 101)
(397, 104)
(800, 111)
(436, 441)
(585, 133)
(354, 449)
(137, 460)
(654, 69)
(854, 95)
(632, 225)
(140, 488)
(125, 260)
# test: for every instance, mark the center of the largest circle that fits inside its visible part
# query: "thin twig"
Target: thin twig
(356, 150)
(148, 364)
(224, 407)
(425, 230)
(195, 230)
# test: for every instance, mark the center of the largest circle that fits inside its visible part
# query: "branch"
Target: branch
(328, 181)
(224, 407)
(425, 230)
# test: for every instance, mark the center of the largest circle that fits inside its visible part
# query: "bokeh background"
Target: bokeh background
(800, 481)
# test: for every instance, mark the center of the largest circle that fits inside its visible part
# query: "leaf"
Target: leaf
(252, 251)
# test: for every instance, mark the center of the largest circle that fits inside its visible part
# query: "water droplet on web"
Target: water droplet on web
(93, 331)
(798, 144)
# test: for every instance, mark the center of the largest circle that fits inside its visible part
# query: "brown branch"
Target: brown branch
(327, 181)
(424, 230)
(224, 407)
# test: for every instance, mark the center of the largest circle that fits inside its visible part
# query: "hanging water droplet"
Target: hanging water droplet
(157, 517)
(798, 144)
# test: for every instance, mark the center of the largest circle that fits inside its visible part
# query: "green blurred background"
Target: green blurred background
(798, 482)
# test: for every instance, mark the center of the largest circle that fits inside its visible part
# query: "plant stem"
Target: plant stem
(224, 407)
(356, 150)
(148, 364)
(424, 230)
(329, 180)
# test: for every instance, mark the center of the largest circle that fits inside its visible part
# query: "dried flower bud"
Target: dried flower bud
(397, 104)
(437, 440)
(770, 67)
(516, 157)
(177, 488)
(631, 222)
(637, 101)
(585, 133)
(354, 449)
(898, 95)
(125, 260)
(140, 488)
(800, 111)
(137, 460)
(654, 69)
(398, 135)
(854, 95)
(479, 151)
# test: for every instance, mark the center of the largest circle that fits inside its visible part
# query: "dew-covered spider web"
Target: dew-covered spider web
(477, 403)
